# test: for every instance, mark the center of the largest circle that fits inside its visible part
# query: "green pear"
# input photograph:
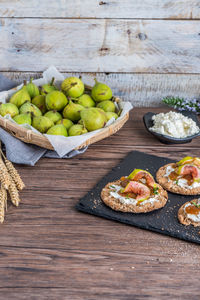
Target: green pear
(39, 101)
(32, 89)
(101, 92)
(48, 88)
(23, 119)
(107, 105)
(77, 129)
(93, 118)
(110, 115)
(53, 115)
(30, 108)
(72, 111)
(58, 130)
(20, 97)
(86, 101)
(56, 100)
(66, 122)
(8, 109)
(103, 114)
(73, 87)
(42, 123)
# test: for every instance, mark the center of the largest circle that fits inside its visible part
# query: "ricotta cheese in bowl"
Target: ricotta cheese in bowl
(174, 124)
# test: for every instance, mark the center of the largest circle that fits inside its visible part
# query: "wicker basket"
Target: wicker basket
(30, 137)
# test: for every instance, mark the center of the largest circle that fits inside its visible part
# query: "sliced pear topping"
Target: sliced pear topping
(185, 160)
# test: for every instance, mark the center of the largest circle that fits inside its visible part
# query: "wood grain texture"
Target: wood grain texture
(51, 251)
(140, 89)
(141, 46)
(187, 9)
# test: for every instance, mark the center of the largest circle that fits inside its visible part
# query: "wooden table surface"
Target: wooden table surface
(50, 251)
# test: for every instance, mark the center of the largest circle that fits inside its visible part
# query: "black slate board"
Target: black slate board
(163, 220)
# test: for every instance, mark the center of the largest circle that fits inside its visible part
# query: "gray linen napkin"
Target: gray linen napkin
(20, 152)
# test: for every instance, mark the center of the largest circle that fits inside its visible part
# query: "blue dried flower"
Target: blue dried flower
(183, 104)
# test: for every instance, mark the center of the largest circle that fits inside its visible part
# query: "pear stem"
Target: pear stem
(31, 79)
(25, 82)
(95, 80)
(52, 80)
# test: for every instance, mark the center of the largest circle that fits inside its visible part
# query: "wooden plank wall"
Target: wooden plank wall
(143, 49)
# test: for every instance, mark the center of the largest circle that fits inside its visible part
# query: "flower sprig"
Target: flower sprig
(183, 104)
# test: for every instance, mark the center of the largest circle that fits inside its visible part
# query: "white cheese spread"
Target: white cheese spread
(150, 200)
(114, 193)
(184, 184)
(122, 199)
(174, 124)
(169, 170)
(195, 218)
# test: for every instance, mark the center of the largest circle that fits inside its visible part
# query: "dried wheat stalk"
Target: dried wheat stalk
(9, 184)
(11, 181)
(3, 203)
(14, 195)
(14, 174)
(4, 175)
(5, 197)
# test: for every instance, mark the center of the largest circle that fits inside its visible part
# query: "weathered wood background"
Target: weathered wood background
(144, 49)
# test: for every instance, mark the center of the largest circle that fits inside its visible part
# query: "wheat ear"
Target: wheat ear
(14, 195)
(14, 175)
(3, 203)
(4, 175)
(10, 179)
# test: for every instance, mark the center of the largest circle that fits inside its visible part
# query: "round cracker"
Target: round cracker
(115, 204)
(182, 215)
(171, 186)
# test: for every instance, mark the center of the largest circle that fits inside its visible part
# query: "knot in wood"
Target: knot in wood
(104, 51)
(142, 36)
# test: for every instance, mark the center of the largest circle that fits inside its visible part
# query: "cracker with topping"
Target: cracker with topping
(189, 213)
(180, 178)
(128, 195)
